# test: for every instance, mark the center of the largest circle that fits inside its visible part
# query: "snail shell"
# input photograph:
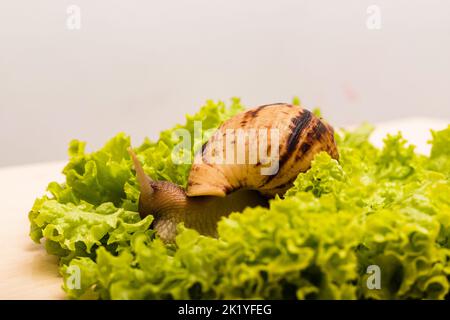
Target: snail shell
(301, 136)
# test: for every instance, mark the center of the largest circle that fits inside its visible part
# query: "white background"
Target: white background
(139, 66)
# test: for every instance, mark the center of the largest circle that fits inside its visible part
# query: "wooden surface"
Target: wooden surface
(27, 272)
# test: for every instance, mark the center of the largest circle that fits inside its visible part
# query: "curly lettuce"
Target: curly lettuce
(387, 207)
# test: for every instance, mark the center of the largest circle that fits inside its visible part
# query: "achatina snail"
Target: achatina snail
(215, 190)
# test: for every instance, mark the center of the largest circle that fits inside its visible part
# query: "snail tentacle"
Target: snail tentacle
(142, 178)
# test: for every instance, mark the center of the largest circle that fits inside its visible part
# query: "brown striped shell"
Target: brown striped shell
(301, 136)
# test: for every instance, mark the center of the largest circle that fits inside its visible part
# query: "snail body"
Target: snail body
(214, 190)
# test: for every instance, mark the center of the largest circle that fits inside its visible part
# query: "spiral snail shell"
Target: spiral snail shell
(215, 189)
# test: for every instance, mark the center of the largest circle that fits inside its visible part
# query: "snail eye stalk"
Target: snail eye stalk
(142, 178)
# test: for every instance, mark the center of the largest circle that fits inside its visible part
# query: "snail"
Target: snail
(214, 190)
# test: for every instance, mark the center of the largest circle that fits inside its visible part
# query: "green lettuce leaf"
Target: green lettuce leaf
(440, 152)
(387, 208)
